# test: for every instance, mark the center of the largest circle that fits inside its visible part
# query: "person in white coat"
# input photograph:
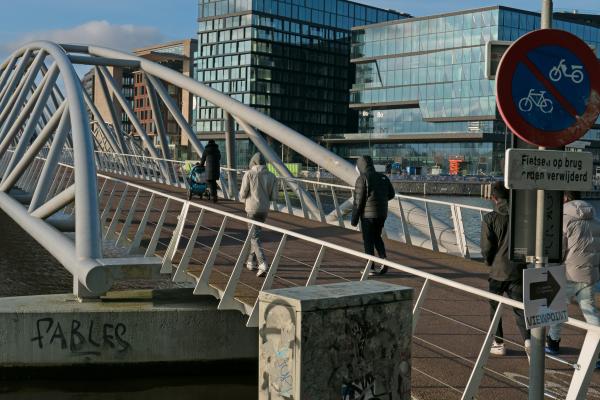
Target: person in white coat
(259, 188)
(581, 255)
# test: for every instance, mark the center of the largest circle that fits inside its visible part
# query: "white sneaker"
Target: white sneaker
(251, 266)
(498, 349)
(262, 269)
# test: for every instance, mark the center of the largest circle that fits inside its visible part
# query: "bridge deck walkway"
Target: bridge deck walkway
(452, 324)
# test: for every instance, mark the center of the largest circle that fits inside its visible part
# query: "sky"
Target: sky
(127, 24)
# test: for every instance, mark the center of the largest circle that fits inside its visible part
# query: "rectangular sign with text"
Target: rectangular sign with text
(544, 296)
(548, 170)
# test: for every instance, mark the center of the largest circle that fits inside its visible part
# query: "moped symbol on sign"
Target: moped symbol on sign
(557, 72)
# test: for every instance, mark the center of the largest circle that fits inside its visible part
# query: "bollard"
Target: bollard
(344, 341)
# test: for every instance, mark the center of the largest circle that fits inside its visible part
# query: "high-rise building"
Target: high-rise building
(425, 90)
(287, 58)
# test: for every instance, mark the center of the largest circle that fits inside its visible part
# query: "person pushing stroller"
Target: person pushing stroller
(197, 182)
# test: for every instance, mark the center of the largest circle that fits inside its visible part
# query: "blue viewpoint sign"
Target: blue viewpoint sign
(548, 88)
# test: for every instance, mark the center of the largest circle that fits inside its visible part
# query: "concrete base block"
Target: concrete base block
(124, 327)
(339, 341)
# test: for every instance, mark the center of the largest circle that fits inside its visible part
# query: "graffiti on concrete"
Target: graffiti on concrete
(278, 348)
(79, 338)
(370, 368)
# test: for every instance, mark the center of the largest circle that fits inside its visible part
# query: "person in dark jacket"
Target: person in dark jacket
(372, 191)
(211, 160)
(505, 276)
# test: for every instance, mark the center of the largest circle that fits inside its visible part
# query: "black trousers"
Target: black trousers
(212, 185)
(514, 290)
(371, 232)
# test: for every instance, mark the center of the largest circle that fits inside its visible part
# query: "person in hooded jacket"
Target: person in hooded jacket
(505, 276)
(581, 256)
(211, 160)
(372, 191)
(258, 189)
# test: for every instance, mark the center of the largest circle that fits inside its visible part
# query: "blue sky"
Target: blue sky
(126, 24)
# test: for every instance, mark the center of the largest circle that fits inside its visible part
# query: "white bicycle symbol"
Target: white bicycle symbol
(560, 70)
(538, 100)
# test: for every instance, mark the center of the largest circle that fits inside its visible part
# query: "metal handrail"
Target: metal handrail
(228, 302)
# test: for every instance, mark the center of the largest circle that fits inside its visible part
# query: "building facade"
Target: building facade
(287, 58)
(177, 55)
(425, 90)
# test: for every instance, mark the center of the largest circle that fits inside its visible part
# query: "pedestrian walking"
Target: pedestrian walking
(211, 161)
(581, 257)
(372, 191)
(259, 188)
(505, 276)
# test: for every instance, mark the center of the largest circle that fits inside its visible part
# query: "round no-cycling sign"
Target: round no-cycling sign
(548, 88)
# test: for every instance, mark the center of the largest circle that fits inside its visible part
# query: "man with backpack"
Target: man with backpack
(372, 191)
(505, 276)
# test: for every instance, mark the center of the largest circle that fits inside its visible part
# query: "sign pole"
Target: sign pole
(537, 364)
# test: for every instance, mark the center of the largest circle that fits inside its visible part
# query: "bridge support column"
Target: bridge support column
(230, 150)
(350, 338)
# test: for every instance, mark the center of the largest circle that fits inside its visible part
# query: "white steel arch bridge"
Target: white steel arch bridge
(55, 147)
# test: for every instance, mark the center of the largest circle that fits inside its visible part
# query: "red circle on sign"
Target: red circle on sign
(506, 104)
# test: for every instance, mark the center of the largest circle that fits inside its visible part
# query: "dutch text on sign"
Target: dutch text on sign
(548, 170)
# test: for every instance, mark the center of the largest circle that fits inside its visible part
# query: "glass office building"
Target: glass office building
(425, 89)
(287, 58)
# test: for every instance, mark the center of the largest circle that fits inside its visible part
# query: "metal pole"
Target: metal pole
(538, 335)
(230, 149)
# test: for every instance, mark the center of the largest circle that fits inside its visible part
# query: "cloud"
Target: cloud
(102, 33)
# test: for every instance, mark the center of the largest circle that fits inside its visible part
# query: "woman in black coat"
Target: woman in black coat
(211, 160)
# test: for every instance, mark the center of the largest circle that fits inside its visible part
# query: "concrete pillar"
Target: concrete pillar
(345, 340)
(230, 150)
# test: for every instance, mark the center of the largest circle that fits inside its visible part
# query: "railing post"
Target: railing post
(434, 243)
(253, 319)
(115, 219)
(319, 205)
(202, 286)
(137, 239)
(484, 353)
(167, 265)
(338, 211)
(315, 269)
(587, 363)
(405, 228)
(125, 228)
(419, 304)
(180, 274)
(288, 203)
(228, 301)
(156, 235)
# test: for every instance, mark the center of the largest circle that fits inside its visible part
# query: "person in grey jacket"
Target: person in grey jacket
(372, 191)
(259, 188)
(581, 256)
(505, 276)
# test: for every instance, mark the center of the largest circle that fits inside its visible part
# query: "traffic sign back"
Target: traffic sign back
(548, 88)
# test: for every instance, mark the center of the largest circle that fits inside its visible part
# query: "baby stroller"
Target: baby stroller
(197, 182)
